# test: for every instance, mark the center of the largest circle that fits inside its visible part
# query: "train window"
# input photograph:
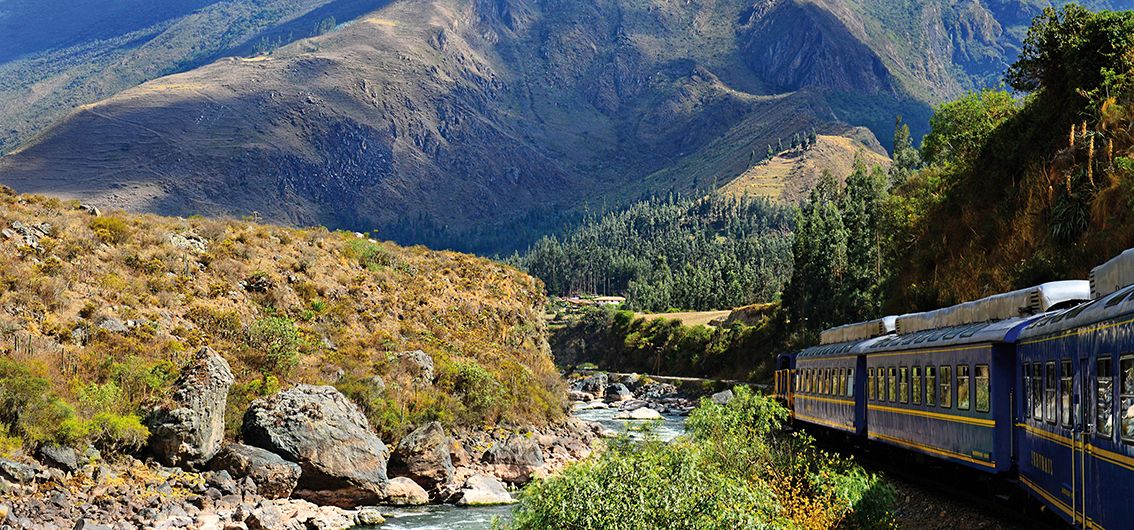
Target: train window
(1037, 391)
(930, 385)
(824, 374)
(962, 387)
(870, 394)
(981, 388)
(892, 385)
(881, 384)
(1049, 392)
(1126, 396)
(904, 384)
(1027, 389)
(915, 376)
(946, 394)
(828, 378)
(850, 382)
(1104, 398)
(1065, 393)
(841, 382)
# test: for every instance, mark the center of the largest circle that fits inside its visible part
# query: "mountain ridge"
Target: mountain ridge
(482, 125)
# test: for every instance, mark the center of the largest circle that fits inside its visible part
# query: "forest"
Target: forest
(672, 252)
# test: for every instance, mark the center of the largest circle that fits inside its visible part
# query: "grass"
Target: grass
(281, 305)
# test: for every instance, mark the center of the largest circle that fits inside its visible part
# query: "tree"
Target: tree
(819, 253)
(861, 291)
(906, 158)
(960, 129)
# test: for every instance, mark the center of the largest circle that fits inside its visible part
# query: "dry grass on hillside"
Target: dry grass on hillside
(791, 175)
(125, 299)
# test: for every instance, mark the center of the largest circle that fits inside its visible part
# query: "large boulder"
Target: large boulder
(617, 393)
(483, 490)
(593, 384)
(188, 430)
(402, 491)
(514, 459)
(343, 461)
(275, 477)
(424, 456)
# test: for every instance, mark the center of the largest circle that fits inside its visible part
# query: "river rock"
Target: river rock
(641, 413)
(424, 456)
(483, 490)
(617, 392)
(514, 459)
(370, 517)
(403, 491)
(592, 384)
(722, 397)
(578, 395)
(656, 390)
(275, 477)
(343, 462)
(188, 431)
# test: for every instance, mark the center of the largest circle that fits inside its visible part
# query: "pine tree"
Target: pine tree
(906, 158)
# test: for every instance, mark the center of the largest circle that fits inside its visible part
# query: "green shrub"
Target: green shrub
(371, 256)
(276, 342)
(734, 469)
(111, 230)
(479, 391)
(117, 434)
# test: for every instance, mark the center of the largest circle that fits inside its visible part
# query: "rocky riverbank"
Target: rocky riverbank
(307, 458)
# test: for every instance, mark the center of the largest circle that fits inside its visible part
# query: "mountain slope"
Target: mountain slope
(481, 124)
(58, 55)
(122, 300)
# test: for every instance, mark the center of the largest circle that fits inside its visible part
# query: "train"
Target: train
(1034, 386)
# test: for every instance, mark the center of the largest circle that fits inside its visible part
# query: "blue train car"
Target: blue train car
(828, 379)
(946, 392)
(1075, 428)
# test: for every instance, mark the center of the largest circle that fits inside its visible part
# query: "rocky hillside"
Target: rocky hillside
(61, 55)
(494, 121)
(114, 304)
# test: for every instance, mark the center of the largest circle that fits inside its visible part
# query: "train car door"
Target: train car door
(1083, 420)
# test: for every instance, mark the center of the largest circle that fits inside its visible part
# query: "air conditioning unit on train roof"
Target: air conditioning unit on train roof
(1015, 304)
(858, 331)
(1113, 275)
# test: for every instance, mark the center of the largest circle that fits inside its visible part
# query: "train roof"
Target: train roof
(1004, 306)
(839, 349)
(1113, 275)
(858, 331)
(999, 331)
(1114, 305)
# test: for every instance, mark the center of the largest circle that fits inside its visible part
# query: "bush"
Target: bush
(111, 230)
(734, 469)
(276, 341)
(117, 434)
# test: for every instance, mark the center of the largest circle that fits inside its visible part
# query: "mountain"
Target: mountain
(62, 54)
(483, 124)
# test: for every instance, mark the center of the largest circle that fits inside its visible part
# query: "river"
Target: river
(449, 517)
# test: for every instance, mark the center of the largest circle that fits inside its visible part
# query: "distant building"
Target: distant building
(610, 300)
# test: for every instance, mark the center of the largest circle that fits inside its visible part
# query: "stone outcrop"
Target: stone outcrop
(188, 431)
(515, 459)
(424, 456)
(343, 462)
(275, 477)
